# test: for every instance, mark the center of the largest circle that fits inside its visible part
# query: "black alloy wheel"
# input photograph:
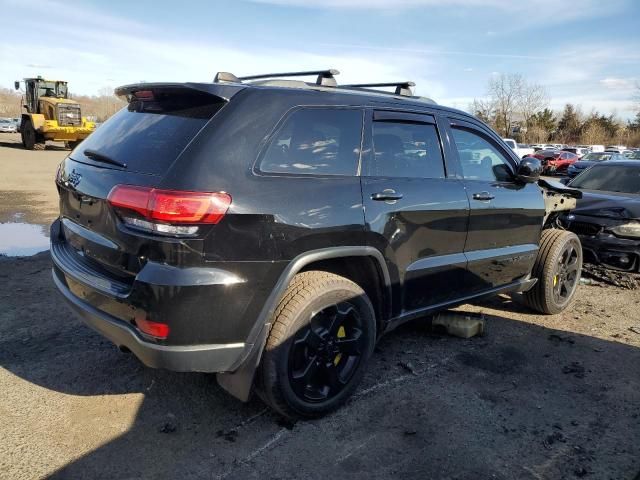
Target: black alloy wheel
(325, 355)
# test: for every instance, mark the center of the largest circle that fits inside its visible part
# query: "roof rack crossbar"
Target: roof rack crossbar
(402, 88)
(324, 77)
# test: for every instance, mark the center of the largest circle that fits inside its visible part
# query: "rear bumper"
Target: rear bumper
(198, 358)
(212, 312)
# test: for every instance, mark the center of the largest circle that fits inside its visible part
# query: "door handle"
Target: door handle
(386, 195)
(483, 196)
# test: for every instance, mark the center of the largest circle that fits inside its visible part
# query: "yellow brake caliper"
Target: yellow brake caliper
(341, 334)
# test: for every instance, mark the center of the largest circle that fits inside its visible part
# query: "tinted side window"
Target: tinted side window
(405, 150)
(316, 141)
(479, 158)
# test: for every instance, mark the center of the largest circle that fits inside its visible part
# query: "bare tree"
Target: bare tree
(537, 134)
(593, 134)
(484, 109)
(505, 90)
(511, 101)
(533, 99)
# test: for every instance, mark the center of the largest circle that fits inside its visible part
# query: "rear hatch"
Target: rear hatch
(109, 220)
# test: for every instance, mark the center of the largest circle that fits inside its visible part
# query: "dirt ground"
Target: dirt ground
(27, 180)
(536, 397)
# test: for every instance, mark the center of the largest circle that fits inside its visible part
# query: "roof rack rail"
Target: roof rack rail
(325, 77)
(402, 88)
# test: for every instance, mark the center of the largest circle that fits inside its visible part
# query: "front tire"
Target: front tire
(322, 337)
(557, 268)
(30, 137)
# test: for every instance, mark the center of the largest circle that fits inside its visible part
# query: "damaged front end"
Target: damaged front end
(558, 199)
(609, 230)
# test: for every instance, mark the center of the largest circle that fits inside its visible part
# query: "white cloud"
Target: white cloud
(420, 50)
(615, 83)
(107, 50)
(95, 55)
(551, 10)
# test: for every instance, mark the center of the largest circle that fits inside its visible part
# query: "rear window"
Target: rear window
(149, 133)
(316, 141)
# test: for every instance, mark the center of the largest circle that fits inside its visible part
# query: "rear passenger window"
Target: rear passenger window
(403, 149)
(316, 141)
(479, 158)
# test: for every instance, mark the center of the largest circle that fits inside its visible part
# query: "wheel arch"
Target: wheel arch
(340, 260)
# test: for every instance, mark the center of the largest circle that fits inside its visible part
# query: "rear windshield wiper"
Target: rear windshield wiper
(101, 157)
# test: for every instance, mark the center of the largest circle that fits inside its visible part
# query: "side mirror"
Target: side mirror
(16, 84)
(529, 170)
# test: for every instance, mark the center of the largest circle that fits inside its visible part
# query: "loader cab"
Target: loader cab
(37, 89)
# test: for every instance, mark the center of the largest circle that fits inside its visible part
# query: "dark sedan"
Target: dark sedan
(607, 217)
(590, 159)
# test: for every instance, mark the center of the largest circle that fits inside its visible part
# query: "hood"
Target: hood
(609, 205)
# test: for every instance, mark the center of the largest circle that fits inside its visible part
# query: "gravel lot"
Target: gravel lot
(537, 397)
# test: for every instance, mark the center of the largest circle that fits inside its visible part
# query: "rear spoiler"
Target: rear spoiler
(223, 91)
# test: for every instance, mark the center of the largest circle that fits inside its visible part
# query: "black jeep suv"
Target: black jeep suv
(272, 230)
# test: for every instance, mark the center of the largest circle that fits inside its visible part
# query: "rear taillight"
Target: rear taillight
(154, 329)
(168, 212)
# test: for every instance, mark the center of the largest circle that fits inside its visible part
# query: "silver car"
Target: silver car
(8, 126)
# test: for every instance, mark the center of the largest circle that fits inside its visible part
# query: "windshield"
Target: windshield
(610, 178)
(52, 89)
(597, 157)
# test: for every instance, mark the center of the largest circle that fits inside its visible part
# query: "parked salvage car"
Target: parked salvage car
(590, 159)
(607, 217)
(579, 151)
(272, 230)
(555, 161)
(520, 149)
(7, 126)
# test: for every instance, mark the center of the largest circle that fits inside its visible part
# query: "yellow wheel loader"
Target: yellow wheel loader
(51, 115)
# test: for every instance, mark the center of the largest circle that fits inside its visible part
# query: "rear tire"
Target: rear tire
(322, 337)
(557, 268)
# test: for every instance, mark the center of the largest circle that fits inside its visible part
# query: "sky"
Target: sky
(585, 52)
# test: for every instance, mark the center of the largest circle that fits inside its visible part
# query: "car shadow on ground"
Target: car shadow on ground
(523, 401)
